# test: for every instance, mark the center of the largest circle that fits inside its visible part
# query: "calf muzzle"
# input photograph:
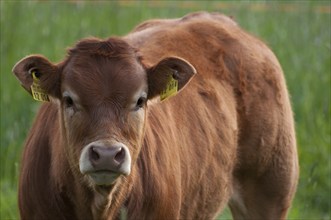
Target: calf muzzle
(104, 162)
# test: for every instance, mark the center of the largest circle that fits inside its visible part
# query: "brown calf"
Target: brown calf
(106, 143)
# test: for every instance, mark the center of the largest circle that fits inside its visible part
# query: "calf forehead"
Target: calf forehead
(103, 76)
(99, 73)
(97, 81)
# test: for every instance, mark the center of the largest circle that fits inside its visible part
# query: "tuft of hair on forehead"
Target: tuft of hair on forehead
(109, 48)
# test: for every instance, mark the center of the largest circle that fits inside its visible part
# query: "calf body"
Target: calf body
(106, 143)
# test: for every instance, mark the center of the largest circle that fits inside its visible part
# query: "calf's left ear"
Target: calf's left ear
(36, 69)
(168, 77)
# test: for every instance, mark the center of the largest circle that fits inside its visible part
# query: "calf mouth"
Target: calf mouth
(103, 177)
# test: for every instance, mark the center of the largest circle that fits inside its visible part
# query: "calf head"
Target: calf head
(101, 90)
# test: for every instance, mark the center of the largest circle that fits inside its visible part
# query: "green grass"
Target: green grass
(298, 33)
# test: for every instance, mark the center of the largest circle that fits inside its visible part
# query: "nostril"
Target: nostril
(119, 157)
(94, 155)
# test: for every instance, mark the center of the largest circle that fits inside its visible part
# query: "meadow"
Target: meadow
(299, 33)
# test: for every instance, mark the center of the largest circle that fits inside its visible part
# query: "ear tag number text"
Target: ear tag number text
(171, 88)
(38, 93)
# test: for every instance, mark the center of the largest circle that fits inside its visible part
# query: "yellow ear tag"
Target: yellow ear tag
(171, 88)
(37, 92)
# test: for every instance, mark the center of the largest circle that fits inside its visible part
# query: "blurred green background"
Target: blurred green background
(297, 31)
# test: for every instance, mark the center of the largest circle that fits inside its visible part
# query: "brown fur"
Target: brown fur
(227, 138)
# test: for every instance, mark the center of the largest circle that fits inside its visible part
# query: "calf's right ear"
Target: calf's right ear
(38, 68)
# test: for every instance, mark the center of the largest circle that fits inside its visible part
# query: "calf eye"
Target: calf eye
(140, 103)
(68, 102)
